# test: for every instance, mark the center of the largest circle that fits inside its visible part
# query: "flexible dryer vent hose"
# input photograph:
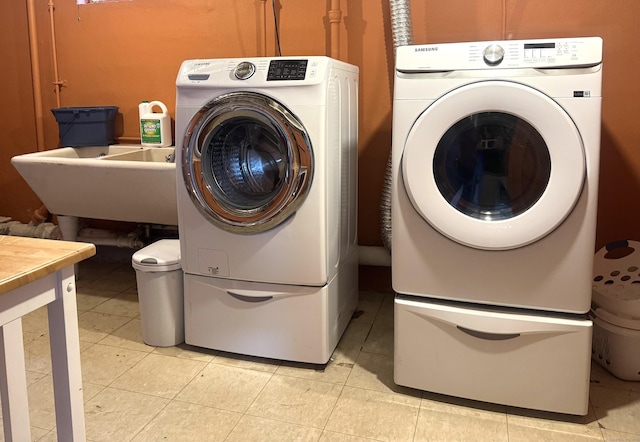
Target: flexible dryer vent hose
(402, 36)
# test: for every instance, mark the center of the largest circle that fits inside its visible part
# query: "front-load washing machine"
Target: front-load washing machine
(266, 152)
(495, 184)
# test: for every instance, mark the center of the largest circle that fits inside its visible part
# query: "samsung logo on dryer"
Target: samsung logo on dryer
(425, 49)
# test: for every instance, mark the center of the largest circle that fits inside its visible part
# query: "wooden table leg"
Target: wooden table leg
(65, 359)
(13, 383)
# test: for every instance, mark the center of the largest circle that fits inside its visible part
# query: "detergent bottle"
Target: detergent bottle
(155, 127)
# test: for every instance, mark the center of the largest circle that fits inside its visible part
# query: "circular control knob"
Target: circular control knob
(244, 70)
(493, 54)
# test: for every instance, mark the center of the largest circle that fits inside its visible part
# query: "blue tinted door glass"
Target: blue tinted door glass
(492, 166)
(245, 163)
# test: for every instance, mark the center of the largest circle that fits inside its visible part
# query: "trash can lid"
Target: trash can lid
(161, 256)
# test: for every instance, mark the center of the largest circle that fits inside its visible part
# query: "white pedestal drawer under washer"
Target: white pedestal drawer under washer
(266, 152)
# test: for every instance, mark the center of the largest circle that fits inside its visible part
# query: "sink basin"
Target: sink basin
(154, 155)
(117, 182)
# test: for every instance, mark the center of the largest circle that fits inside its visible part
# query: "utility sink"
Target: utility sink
(153, 155)
(118, 182)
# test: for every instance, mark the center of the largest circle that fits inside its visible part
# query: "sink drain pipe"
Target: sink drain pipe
(41, 230)
(402, 36)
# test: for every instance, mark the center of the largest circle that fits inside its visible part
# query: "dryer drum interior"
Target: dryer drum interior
(248, 162)
(492, 165)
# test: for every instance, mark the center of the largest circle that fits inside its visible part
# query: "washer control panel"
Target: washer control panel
(508, 54)
(287, 70)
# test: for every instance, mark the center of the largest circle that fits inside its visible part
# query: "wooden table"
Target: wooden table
(35, 273)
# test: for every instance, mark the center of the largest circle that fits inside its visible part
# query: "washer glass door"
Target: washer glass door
(494, 165)
(247, 162)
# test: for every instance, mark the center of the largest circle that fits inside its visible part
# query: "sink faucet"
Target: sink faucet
(171, 158)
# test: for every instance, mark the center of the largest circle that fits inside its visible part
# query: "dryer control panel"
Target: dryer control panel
(508, 54)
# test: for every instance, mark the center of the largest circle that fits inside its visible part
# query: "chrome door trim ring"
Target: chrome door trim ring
(299, 173)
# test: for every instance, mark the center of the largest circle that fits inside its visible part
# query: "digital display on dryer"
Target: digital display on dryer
(287, 70)
(539, 45)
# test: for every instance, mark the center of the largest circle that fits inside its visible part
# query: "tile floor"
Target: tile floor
(134, 392)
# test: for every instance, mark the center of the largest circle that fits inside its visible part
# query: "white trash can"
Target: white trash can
(160, 292)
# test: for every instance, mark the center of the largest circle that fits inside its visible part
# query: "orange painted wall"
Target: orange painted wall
(120, 53)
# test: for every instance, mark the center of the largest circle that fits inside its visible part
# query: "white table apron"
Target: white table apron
(57, 291)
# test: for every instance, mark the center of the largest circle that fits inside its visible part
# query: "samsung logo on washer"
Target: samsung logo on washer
(425, 49)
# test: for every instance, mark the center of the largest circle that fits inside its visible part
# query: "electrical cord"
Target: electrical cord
(275, 21)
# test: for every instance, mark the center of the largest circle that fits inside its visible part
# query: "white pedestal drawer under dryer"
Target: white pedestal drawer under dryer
(496, 150)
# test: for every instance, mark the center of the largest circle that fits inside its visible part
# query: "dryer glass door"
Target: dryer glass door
(494, 165)
(247, 162)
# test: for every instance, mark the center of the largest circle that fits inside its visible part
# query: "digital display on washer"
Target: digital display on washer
(539, 45)
(287, 70)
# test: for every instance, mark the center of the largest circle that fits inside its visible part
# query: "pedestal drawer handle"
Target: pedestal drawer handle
(488, 336)
(246, 298)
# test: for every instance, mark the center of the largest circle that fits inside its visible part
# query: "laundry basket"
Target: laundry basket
(616, 344)
(616, 309)
(616, 279)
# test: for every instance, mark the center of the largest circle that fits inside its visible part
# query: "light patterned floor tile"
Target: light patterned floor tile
(616, 436)
(376, 415)
(380, 339)
(519, 433)
(128, 336)
(180, 421)
(37, 321)
(330, 436)
(93, 326)
(366, 311)
(251, 428)
(87, 298)
(186, 351)
(334, 372)
(466, 407)
(460, 422)
(432, 425)
(123, 304)
(118, 281)
(102, 364)
(245, 361)
(223, 387)
(354, 335)
(602, 378)
(617, 410)
(210, 407)
(33, 377)
(552, 426)
(37, 352)
(118, 415)
(375, 372)
(350, 344)
(41, 403)
(170, 375)
(297, 401)
(41, 435)
(89, 390)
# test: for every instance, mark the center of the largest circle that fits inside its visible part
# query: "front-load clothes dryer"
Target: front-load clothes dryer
(266, 152)
(495, 181)
(495, 172)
